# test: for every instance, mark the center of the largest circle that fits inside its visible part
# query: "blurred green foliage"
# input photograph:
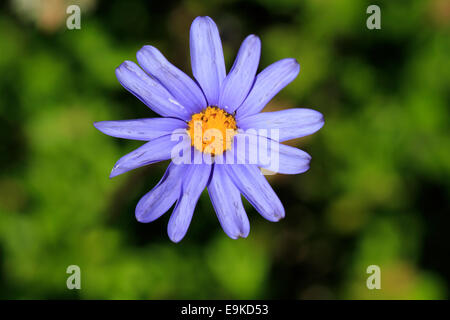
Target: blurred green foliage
(377, 191)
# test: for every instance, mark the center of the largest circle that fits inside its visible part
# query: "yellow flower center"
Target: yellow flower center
(212, 130)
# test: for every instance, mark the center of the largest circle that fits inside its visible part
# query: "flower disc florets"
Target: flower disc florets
(212, 130)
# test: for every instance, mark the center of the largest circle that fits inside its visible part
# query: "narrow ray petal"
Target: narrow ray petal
(227, 202)
(179, 84)
(240, 79)
(267, 84)
(290, 123)
(195, 180)
(140, 129)
(255, 188)
(208, 64)
(150, 92)
(159, 149)
(268, 154)
(156, 202)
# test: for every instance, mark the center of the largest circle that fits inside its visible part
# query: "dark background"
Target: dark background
(376, 194)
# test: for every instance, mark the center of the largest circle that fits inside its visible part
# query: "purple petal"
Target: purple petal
(194, 182)
(240, 79)
(227, 202)
(159, 149)
(291, 123)
(208, 65)
(267, 84)
(156, 202)
(140, 129)
(180, 85)
(255, 188)
(150, 92)
(268, 154)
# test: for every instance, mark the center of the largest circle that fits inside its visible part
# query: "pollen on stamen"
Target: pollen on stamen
(212, 130)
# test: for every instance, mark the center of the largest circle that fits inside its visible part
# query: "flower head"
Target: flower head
(218, 116)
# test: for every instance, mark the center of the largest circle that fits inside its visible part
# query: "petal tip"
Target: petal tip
(242, 235)
(293, 64)
(140, 217)
(253, 37)
(175, 238)
(115, 172)
(120, 69)
(278, 216)
(138, 212)
(321, 120)
(203, 18)
(122, 65)
(296, 63)
(203, 21)
(145, 50)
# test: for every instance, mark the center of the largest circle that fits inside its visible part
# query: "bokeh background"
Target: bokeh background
(377, 191)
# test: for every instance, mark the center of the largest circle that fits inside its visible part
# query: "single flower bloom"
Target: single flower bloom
(228, 105)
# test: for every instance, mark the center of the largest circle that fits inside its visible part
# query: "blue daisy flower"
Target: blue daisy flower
(229, 105)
